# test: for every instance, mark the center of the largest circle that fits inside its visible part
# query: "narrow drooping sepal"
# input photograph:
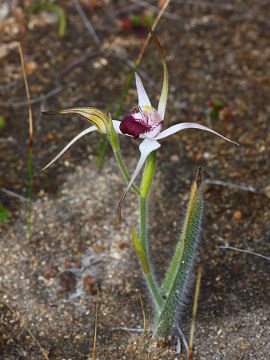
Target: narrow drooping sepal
(76, 138)
(95, 116)
(177, 279)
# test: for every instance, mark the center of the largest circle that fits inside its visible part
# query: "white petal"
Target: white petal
(182, 126)
(146, 147)
(142, 96)
(152, 133)
(116, 125)
(81, 134)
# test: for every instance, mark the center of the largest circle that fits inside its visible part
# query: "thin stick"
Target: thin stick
(96, 325)
(151, 340)
(162, 10)
(230, 184)
(87, 22)
(194, 312)
(155, 9)
(30, 151)
(246, 252)
(39, 99)
(127, 329)
(36, 341)
(143, 314)
(131, 77)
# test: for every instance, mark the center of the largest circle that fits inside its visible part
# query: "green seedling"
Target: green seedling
(4, 214)
(2, 122)
(38, 6)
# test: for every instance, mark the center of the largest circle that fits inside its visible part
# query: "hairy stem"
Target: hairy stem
(147, 177)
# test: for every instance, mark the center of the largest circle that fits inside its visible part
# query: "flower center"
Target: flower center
(144, 120)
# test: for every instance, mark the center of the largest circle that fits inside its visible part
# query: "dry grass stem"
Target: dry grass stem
(30, 151)
(96, 325)
(36, 341)
(194, 312)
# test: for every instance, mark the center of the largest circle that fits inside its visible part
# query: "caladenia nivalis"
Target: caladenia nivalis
(145, 123)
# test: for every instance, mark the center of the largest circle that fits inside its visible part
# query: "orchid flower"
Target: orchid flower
(144, 122)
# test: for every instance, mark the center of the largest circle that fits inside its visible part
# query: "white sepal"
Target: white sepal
(143, 99)
(81, 134)
(182, 126)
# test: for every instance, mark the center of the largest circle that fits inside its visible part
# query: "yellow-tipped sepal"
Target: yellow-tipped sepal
(93, 115)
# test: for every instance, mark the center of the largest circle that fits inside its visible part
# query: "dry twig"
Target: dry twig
(30, 150)
(22, 103)
(230, 184)
(245, 251)
(96, 324)
(155, 9)
(87, 22)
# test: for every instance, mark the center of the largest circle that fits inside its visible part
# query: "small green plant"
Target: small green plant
(145, 123)
(2, 122)
(39, 6)
(219, 110)
(3, 214)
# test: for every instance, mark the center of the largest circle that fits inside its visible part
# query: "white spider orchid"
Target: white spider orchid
(144, 122)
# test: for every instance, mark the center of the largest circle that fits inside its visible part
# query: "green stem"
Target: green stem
(149, 277)
(143, 212)
(147, 177)
(123, 168)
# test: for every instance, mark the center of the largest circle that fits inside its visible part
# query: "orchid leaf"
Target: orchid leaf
(140, 252)
(178, 275)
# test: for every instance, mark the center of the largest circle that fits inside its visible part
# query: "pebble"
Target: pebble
(67, 280)
(237, 215)
(4, 11)
(174, 158)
